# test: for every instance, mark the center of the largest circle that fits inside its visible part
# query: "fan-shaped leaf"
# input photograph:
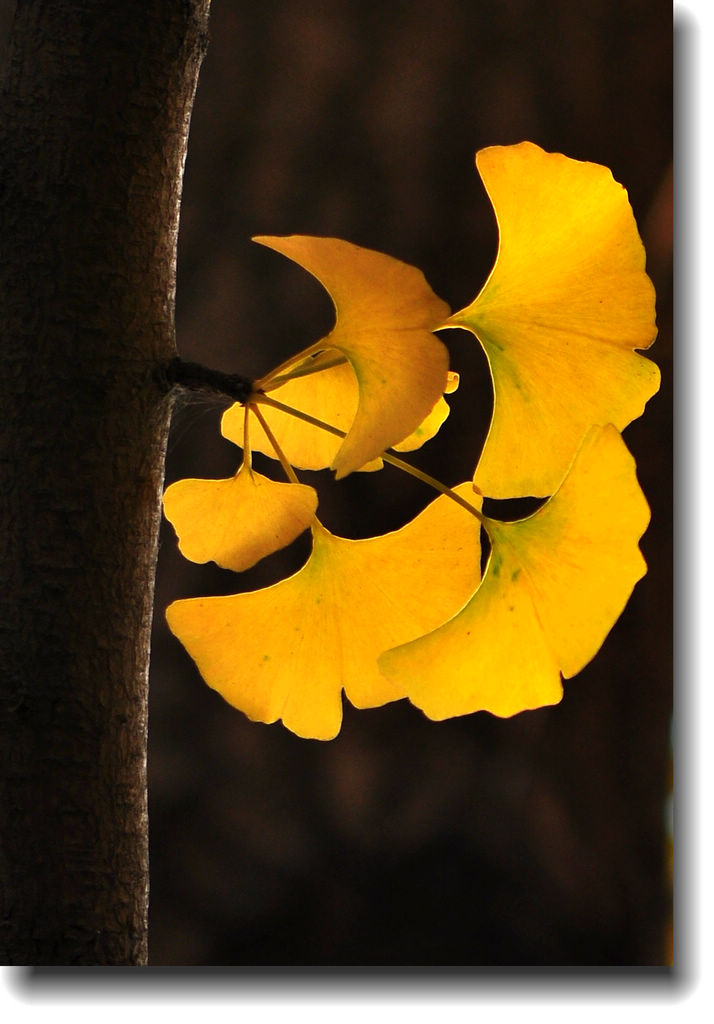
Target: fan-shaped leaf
(386, 313)
(238, 521)
(554, 586)
(288, 651)
(331, 396)
(566, 304)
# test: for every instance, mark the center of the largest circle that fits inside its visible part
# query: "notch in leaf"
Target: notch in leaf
(565, 306)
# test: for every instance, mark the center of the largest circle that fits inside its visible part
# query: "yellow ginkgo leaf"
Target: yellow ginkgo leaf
(287, 651)
(386, 313)
(332, 396)
(238, 521)
(554, 586)
(565, 306)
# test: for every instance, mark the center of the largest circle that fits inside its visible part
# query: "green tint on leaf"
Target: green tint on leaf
(554, 586)
(287, 651)
(566, 304)
(432, 424)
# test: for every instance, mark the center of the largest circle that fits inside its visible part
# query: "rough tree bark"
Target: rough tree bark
(93, 125)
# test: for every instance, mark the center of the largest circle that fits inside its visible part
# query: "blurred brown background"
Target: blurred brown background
(538, 840)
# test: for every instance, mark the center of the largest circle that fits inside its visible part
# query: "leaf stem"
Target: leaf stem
(305, 369)
(273, 440)
(264, 399)
(393, 460)
(247, 450)
(425, 478)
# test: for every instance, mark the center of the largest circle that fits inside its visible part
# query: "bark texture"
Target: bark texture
(93, 125)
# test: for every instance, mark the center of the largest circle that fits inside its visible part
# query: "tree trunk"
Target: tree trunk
(93, 125)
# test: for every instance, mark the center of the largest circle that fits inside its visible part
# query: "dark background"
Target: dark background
(538, 840)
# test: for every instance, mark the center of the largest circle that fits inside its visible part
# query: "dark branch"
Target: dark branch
(196, 377)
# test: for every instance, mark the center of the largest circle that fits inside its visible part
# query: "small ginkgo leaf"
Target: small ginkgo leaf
(238, 521)
(565, 306)
(331, 396)
(554, 586)
(286, 652)
(386, 313)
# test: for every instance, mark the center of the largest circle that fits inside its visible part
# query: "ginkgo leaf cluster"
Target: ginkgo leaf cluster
(562, 319)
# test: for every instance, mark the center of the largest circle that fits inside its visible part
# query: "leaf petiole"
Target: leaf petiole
(247, 452)
(314, 364)
(425, 478)
(393, 460)
(290, 472)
